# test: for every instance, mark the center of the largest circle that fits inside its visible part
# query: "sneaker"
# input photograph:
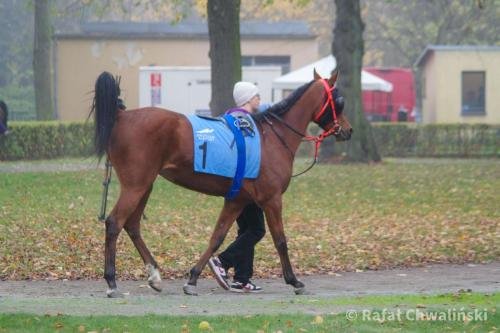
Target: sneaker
(220, 273)
(239, 287)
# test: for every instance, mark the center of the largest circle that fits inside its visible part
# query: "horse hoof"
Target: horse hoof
(155, 285)
(190, 290)
(114, 293)
(300, 291)
(154, 279)
(299, 288)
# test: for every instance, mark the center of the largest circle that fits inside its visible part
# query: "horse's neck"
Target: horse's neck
(299, 116)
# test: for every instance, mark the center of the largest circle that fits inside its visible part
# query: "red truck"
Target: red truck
(398, 105)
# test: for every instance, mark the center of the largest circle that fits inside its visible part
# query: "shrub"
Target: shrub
(437, 140)
(46, 140)
(52, 139)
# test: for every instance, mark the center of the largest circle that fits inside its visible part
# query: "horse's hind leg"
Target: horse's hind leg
(133, 228)
(227, 216)
(126, 205)
(273, 211)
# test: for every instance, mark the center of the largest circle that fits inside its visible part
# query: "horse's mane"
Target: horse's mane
(284, 105)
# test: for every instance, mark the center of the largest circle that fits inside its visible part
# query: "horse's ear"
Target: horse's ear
(333, 78)
(316, 75)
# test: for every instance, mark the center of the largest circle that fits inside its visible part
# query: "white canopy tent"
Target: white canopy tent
(324, 67)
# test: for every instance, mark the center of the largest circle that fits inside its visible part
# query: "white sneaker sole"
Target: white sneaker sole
(244, 291)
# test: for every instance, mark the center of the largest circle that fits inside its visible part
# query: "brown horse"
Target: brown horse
(146, 142)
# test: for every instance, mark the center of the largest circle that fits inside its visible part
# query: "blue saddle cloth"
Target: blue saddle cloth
(215, 150)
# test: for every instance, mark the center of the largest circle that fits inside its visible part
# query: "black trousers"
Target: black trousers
(239, 254)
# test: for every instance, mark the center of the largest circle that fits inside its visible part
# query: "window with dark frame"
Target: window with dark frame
(473, 93)
(282, 61)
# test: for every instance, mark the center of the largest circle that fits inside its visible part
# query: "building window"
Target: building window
(282, 61)
(473, 93)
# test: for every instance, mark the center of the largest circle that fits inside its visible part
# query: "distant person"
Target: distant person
(402, 113)
(4, 115)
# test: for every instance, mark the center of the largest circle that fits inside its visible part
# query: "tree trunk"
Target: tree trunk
(225, 52)
(348, 49)
(42, 61)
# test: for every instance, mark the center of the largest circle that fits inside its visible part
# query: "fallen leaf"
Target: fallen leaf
(318, 320)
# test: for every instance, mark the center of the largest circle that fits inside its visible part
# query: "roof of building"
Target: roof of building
(461, 48)
(183, 29)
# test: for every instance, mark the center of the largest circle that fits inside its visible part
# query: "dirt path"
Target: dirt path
(90, 163)
(88, 297)
(69, 164)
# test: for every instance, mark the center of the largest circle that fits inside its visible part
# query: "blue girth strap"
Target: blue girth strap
(232, 122)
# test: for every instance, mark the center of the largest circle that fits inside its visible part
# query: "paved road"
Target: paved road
(88, 297)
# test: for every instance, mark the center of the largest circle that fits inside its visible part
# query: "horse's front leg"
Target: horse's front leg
(228, 215)
(273, 210)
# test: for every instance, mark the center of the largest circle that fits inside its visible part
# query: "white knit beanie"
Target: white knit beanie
(243, 92)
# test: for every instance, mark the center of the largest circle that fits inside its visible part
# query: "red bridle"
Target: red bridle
(329, 101)
(336, 126)
(335, 130)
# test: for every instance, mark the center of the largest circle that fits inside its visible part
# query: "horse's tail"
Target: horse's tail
(105, 108)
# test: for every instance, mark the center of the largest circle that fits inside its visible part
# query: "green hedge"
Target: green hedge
(45, 140)
(440, 140)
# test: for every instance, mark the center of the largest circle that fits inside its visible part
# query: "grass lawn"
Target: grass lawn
(405, 313)
(337, 217)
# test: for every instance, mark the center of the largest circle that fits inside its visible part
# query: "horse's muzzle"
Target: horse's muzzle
(344, 134)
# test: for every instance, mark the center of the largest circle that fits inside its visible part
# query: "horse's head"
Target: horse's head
(331, 117)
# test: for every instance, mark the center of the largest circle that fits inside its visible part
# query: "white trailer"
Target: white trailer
(187, 90)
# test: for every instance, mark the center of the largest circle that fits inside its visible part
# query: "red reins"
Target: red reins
(317, 139)
(336, 126)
